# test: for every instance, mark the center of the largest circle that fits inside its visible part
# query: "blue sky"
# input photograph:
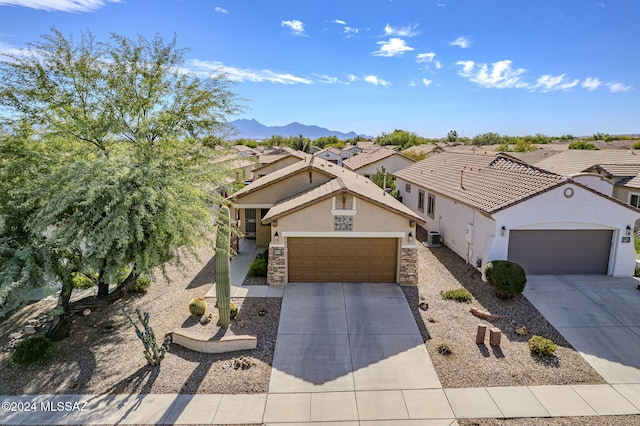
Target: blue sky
(514, 67)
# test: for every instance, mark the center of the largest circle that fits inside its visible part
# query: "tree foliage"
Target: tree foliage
(106, 164)
(400, 138)
(582, 145)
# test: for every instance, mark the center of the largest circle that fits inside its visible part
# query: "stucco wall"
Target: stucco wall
(276, 165)
(597, 182)
(294, 184)
(391, 165)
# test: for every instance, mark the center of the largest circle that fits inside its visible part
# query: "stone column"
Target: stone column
(276, 271)
(409, 266)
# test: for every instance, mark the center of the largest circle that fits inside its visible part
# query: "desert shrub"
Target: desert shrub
(197, 306)
(541, 346)
(81, 281)
(582, 145)
(445, 349)
(33, 350)
(233, 309)
(142, 284)
(258, 268)
(508, 278)
(459, 295)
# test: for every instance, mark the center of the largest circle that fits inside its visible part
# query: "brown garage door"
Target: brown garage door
(342, 259)
(560, 251)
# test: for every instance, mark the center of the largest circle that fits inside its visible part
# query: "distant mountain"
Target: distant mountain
(252, 129)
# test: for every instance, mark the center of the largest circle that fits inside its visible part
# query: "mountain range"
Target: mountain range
(252, 129)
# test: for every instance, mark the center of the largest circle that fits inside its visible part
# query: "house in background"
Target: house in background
(323, 223)
(245, 151)
(269, 163)
(367, 164)
(333, 155)
(488, 207)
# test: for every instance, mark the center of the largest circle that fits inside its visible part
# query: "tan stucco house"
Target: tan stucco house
(323, 223)
(367, 164)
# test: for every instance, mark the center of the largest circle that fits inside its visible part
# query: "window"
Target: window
(634, 200)
(407, 188)
(421, 200)
(431, 205)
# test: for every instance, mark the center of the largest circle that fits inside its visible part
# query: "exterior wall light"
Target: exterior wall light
(503, 231)
(410, 237)
(628, 230)
(276, 237)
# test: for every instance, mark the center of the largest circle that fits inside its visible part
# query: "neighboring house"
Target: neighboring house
(367, 164)
(425, 148)
(323, 223)
(275, 162)
(619, 167)
(333, 155)
(488, 207)
(245, 151)
(353, 149)
(366, 146)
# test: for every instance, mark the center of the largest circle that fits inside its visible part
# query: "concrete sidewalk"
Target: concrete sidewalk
(433, 407)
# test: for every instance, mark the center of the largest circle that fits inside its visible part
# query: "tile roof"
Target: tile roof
(331, 149)
(345, 180)
(485, 182)
(358, 161)
(577, 160)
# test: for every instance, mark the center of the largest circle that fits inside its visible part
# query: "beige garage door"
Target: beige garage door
(342, 259)
(560, 251)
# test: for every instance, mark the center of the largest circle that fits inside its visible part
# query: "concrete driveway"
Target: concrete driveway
(600, 317)
(337, 337)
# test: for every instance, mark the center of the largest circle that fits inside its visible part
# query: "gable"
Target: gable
(284, 188)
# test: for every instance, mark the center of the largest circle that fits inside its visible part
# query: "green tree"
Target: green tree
(105, 165)
(452, 136)
(301, 143)
(489, 138)
(382, 177)
(582, 145)
(400, 138)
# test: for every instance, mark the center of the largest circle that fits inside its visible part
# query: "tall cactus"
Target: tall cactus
(223, 286)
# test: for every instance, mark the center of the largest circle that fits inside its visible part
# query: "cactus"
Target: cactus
(223, 286)
(197, 306)
(152, 352)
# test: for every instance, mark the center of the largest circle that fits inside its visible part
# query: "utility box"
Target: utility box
(433, 239)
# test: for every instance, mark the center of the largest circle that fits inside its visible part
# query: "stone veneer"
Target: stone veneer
(276, 271)
(409, 266)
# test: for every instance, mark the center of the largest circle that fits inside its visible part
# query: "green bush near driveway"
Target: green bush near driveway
(508, 278)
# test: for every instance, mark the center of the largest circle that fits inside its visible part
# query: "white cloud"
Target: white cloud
(615, 87)
(247, 75)
(392, 47)
(425, 58)
(296, 26)
(408, 31)
(349, 31)
(548, 83)
(376, 81)
(7, 49)
(219, 10)
(426, 82)
(591, 83)
(437, 64)
(499, 75)
(60, 5)
(461, 41)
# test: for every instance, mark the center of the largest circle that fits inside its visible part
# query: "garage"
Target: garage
(317, 259)
(561, 251)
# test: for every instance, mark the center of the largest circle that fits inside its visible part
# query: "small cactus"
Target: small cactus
(197, 306)
(223, 285)
(153, 353)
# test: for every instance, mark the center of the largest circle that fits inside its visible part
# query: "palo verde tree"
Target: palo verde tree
(104, 165)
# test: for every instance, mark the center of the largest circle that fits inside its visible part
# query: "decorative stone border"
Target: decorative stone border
(485, 315)
(213, 346)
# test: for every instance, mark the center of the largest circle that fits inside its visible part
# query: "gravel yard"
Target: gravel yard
(451, 323)
(103, 355)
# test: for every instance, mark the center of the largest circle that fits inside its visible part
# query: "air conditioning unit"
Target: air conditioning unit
(433, 239)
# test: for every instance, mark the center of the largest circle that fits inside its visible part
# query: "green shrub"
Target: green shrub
(33, 350)
(636, 243)
(142, 284)
(582, 145)
(459, 295)
(541, 346)
(81, 281)
(258, 268)
(508, 278)
(233, 309)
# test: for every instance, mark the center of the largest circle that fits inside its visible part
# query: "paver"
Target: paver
(288, 408)
(333, 406)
